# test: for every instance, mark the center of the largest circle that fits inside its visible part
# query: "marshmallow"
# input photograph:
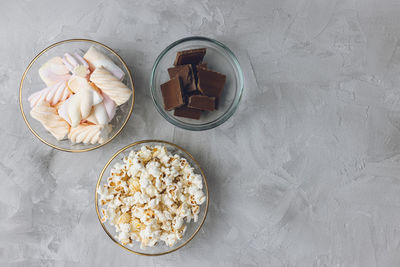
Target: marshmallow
(97, 59)
(80, 104)
(53, 94)
(77, 83)
(110, 85)
(76, 64)
(50, 120)
(54, 71)
(89, 134)
(63, 111)
(110, 106)
(98, 115)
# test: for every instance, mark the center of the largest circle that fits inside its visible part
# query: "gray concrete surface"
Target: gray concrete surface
(306, 173)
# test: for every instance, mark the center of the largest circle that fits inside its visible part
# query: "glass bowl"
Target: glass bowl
(218, 58)
(192, 228)
(31, 83)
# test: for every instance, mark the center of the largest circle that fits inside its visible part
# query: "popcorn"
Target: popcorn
(153, 168)
(150, 197)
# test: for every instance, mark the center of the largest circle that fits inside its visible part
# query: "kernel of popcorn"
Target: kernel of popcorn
(154, 202)
(189, 218)
(196, 180)
(167, 215)
(183, 198)
(124, 218)
(199, 197)
(168, 180)
(137, 212)
(174, 172)
(181, 232)
(173, 208)
(125, 227)
(151, 191)
(133, 184)
(135, 236)
(158, 184)
(171, 240)
(135, 168)
(171, 191)
(167, 201)
(153, 168)
(125, 209)
(175, 160)
(166, 227)
(141, 198)
(184, 210)
(192, 190)
(149, 213)
(145, 154)
(177, 222)
(124, 238)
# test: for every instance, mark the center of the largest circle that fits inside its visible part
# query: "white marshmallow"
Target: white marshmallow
(97, 59)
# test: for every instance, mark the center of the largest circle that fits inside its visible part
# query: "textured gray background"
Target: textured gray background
(306, 173)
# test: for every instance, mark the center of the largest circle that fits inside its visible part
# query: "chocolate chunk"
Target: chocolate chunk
(174, 70)
(196, 67)
(187, 112)
(185, 73)
(202, 102)
(210, 83)
(172, 94)
(192, 56)
(186, 95)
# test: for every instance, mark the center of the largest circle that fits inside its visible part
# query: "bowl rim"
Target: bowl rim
(101, 176)
(47, 49)
(226, 115)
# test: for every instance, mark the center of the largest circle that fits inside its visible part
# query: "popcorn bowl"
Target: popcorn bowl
(31, 82)
(192, 227)
(219, 58)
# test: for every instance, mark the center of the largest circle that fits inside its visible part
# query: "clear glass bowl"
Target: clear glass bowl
(218, 58)
(192, 227)
(31, 83)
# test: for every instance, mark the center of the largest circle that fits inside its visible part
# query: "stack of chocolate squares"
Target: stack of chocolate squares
(192, 88)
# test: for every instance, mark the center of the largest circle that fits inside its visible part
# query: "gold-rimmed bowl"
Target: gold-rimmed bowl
(31, 83)
(192, 227)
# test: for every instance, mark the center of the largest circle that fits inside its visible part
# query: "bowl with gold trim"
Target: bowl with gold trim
(134, 246)
(32, 83)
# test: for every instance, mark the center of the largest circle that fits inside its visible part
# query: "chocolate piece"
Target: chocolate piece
(187, 112)
(174, 70)
(202, 102)
(186, 95)
(196, 67)
(185, 73)
(192, 56)
(210, 83)
(172, 94)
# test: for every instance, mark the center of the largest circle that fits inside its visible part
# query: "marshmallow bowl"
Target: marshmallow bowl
(76, 95)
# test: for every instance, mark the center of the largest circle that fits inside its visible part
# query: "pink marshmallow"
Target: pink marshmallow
(110, 106)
